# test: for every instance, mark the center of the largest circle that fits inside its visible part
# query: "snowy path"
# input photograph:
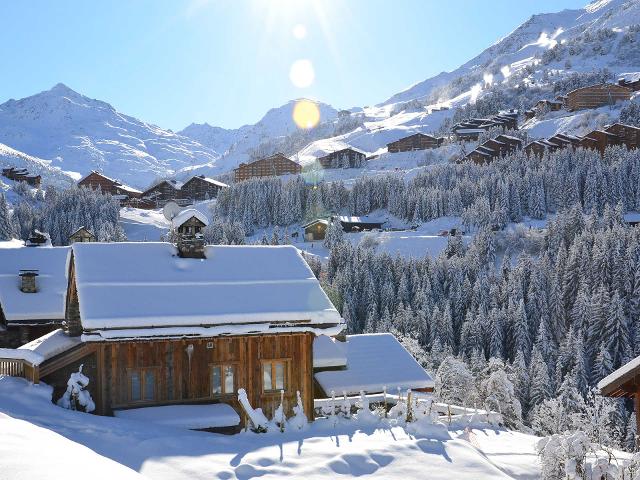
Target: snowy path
(120, 448)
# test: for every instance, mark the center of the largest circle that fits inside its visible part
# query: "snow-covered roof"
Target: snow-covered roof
(632, 217)
(619, 376)
(130, 290)
(212, 415)
(630, 77)
(51, 344)
(317, 220)
(462, 131)
(48, 303)
(351, 219)
(185, 215)
(375, 361)
(328, 352)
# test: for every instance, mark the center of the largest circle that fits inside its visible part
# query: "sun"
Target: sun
(306, 114)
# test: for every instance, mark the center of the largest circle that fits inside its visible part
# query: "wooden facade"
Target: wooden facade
(199, 188)
(628, 135)
(624, 383)
(161, 193)
(494, 148)
(633, 83)
(82, 235)
(22, 175)
(345, 158)
(133, 374)
(596, 96)
(98, 181)
(275, 165)
(599, 140)
(417, 141)
(315, 230)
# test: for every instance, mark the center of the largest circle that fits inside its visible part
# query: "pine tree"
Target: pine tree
(540, 380)
(6, 226)
(617, 332)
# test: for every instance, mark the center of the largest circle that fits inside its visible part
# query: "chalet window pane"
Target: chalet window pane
(266, 376)
(279, 376)
(228, 379)
(149, 385)
(135, 386)
(216, 381)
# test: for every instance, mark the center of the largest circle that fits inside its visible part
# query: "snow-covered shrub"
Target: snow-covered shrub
(345, 406)
(455, 383)
(259, 422)
(368, 240)
(279, 419)
(365, 415)
(500, 396)
(564, 456)
(299, 420)
(76, 396)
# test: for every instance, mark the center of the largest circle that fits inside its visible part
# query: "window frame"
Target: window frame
(286, 372)
(222, 366)
(142, 371)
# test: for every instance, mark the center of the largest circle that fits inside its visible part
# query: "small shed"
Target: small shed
(189, 222)
(315, 230)
(358, 224)
(82, 235)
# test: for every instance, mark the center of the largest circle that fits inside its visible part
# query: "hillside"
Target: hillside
(78, 134)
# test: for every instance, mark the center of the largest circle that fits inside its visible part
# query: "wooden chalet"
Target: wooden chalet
(82, 235)
(33, 283)
(627, 134)
(624, 383)
(359, 224)
(417, 141)
(315, 230)
(189, 222)
(22, 175)
(154, 327)
(631, 81)
(472, 128)
(199, 188)
(551, 144)
(345, 158)
(499, 146)
(548, 105)
(161, 193)
(599, 140)
(275, 165)
(98, 181)
(595, 96)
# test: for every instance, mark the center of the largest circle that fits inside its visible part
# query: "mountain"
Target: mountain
(51, 175)
(532, 38)
(79, 134)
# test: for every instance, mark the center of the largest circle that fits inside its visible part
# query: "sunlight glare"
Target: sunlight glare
(302, 73)
(300, 31)
(475, 91)
(306, 114)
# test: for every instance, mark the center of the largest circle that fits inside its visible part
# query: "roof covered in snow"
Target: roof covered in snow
(48, 303)
(185, 215)
(144, 289)
(612, 384)
(51, 344)
(375, 361)
(329, 352)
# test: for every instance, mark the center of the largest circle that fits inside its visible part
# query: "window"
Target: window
(142, 385)
(223, 379)
(274, 375)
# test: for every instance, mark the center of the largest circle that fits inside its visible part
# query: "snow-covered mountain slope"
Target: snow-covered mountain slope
(79, 134)
(51, 175)
(535, 36)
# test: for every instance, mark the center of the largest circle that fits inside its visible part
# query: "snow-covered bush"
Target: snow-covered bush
(259, 422)
(76, 396)
(365, 415)
(299, 420)
(455, 383)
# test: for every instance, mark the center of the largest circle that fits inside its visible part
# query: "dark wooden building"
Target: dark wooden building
(162, 193)
(472, 128)
(98, 181)
(275, 165)
(627, 134)
(199, 188)
(359, 224)
(22, 175)
(595, 96)
(417, 141)
(600, 140)
(315, 230)
(82, 235)
(624, 383)
(345, 158)
(494, 148)
(630, 81)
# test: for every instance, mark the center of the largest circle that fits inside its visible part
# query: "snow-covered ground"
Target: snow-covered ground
(68, 442)
(143, 225)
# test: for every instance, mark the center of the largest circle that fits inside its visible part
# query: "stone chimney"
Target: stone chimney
(191, 245)
(28, 281)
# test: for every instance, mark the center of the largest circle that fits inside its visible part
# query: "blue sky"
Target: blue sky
(227, 62)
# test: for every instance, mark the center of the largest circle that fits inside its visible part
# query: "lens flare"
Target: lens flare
(299, 31)
(302, 73)
(306, 114)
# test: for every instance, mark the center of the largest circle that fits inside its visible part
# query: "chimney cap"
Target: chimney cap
(29, 273)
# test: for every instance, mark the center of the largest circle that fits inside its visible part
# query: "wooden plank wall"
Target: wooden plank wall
(179, 380)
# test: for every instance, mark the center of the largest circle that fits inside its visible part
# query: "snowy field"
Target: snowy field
(68, 442)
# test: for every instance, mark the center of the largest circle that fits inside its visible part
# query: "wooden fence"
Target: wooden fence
(20, 368)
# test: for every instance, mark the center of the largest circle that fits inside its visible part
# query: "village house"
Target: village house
(345, 158)
(595, 96)
(98, 181)
(33, 285)
(630, 80)
(493, 148)
(315, 230)
(199, 188)
(275, 165)
(82, 235)
(551, 144)
(417, 141)
(472, 128)
(22, 175)
(627, 134)
(162, 192)
(599, 140)
(624, 383)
